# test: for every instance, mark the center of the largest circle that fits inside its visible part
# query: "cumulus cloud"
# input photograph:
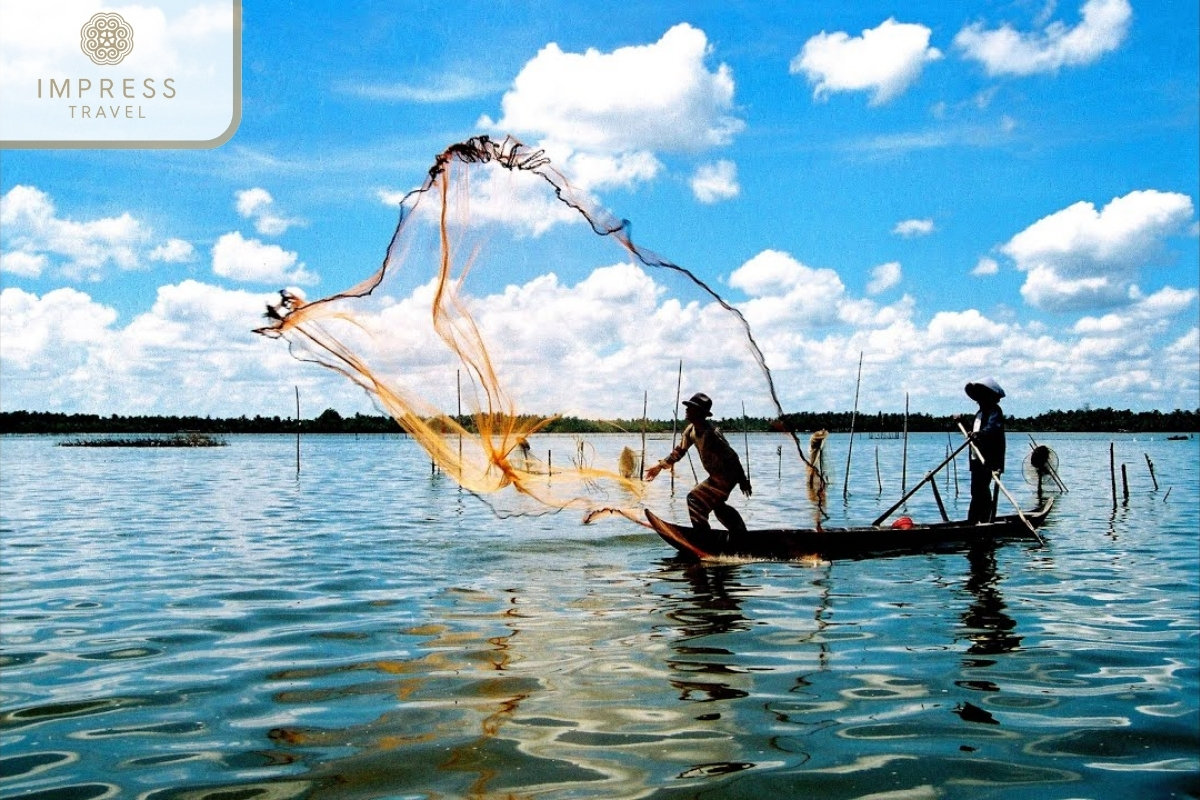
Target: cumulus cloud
(1081, 257)
(572, 347)
(36, 237)
(1103, 27)
(986, 266)
(192, 352)
(884, 277)
(909, 228)
(885, 60)
(250, 260)
(173, 251)
(630, 103)
(257, 204)
(714, 182)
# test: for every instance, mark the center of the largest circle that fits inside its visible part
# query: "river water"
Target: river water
(207, 623)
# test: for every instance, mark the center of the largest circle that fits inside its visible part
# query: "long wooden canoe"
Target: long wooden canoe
(845, 543)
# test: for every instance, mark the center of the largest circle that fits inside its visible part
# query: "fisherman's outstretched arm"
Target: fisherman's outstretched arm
(684, 443)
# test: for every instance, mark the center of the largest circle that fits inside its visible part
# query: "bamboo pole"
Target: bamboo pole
(297, 431)
(645, 411)
(1150, 464)
(878, 476)
(938, 497)
(674, 421)
(1112, 472)
(996, 478)
(911, 492)
(853, 419)
(955, 467)
(1125, 484)
(746, 438)
(904, 461)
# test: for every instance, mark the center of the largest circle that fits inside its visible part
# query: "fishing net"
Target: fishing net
(504, 288)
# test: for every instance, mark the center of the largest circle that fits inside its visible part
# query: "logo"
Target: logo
(72, 78)
(106, 38)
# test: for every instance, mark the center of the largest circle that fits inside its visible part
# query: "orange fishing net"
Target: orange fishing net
(493, 221)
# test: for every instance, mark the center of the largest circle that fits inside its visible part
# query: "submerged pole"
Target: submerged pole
(904, 461)
(1150, 464)
(297, 431)
(645, 410)
(746, 437)
(1112, 471)
(853, 419)
(675, 420)
(878, 476)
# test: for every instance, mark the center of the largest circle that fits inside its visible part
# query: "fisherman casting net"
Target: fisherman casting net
(503, 289)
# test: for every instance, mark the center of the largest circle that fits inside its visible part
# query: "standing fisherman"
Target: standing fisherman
(988, 435)
(720, 461)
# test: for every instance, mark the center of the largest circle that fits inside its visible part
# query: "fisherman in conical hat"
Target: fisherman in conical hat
(987, 433)
(720, 461)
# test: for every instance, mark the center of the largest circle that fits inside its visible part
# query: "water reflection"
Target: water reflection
(711, 609)
(989, 628)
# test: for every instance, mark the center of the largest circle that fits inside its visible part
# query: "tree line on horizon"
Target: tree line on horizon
(1087, 420)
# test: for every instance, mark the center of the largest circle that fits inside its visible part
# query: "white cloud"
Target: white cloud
(885, 60)
(909, 228)
(986, 266)
(193, 352)
(965, 328)
(34, 236)
(448, 88)
(714, 182)
(19, 262)
(631, 103)
(173, 251)
(1005, 51)
(884, 277)
(258, 205)
(593, 346)
(1081, 258)
(250, 260)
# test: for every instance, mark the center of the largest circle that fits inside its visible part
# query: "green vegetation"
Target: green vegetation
(189, 439)
(1100, 420)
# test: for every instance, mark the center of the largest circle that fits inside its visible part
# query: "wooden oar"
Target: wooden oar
(924, 480)
(996, 478)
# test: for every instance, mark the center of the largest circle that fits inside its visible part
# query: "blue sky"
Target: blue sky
(952, 189)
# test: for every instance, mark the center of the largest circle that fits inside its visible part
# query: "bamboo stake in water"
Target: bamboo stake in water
(1125, 483)
(853, 419)
(1112, 471)
(675, 421)
(1150, 464)
(746, 437)
(904, 462)
(878, 476)
(297, 431)
(645, 410)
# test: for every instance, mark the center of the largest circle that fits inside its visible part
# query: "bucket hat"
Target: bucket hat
(701, 402)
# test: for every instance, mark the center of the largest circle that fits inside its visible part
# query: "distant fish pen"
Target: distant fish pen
(174, 440)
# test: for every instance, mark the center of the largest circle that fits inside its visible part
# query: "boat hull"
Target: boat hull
(845, 543)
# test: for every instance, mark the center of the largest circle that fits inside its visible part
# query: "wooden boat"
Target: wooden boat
(846, 543)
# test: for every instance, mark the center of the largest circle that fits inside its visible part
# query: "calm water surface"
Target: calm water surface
(207, 624)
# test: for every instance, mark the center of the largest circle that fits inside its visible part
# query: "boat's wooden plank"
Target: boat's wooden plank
(833, 543)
